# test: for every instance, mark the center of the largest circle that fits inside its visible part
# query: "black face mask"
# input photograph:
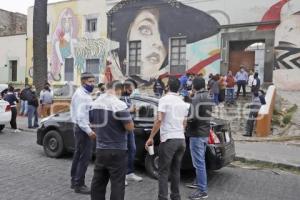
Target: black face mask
(126, 93)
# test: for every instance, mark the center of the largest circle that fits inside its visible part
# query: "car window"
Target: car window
(144, 109)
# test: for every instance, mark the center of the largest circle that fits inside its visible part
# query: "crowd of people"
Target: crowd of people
(108, 122)
(30, 104)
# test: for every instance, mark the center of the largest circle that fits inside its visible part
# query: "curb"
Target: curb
(282, 139)
(269, 164)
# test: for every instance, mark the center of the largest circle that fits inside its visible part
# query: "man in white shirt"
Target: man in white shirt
(83, 134)
(171, 120)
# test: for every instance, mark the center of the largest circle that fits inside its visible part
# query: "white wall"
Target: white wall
(12, 48)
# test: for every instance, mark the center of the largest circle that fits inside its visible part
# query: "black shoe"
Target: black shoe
(72, 186)
(198, 195)
(82, 189)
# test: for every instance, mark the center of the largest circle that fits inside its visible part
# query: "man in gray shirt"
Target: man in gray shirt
(112, 121)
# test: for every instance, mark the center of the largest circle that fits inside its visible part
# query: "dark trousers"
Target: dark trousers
(131, 152)
(13, 120)
(170, 157)
(250, 122)
(109, 165)
(32, 114)
(241, 84)
(82, 157)
(222, 95)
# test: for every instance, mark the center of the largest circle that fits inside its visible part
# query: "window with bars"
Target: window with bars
(135, 57)
(69, 69)
(91, 25)
(178, 55)
(93, 66)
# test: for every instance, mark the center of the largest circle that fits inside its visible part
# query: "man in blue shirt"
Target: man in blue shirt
(241, 80)
(112, 121)
(80, 105)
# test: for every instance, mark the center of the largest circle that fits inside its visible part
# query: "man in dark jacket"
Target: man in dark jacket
(159, 87)
(198, 132)
(11, 98)
(33, 104)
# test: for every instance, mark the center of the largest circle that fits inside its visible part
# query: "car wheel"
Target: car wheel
(53, 144)
(151, 165)
(1, 127)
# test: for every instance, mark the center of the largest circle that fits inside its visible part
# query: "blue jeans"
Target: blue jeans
(24, 107)
(32, 113)
(216, 98)
(131, 152)
(230, 95)
(81, 158)
(198, 148)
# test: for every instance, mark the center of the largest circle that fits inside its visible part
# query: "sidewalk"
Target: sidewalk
(275, 153)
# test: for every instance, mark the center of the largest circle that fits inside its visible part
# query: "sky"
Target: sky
(20, 6)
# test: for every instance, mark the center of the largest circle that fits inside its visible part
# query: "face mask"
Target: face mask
(89, 88)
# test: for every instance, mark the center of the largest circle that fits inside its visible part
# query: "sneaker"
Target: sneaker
(17, 131)
(126, 183)
(198, 195)
(192, 185)
(133, 177)
(82, 189)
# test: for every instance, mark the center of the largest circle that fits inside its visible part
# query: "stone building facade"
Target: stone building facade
(12, 23)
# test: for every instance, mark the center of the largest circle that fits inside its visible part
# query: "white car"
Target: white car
(5, 114)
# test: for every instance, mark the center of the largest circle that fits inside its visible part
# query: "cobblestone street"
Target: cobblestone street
(26, 173)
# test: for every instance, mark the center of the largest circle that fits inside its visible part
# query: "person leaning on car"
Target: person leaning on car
(80, 105)
(112, 121)
(198, 129)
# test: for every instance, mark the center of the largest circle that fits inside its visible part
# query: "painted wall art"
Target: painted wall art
(153, 24)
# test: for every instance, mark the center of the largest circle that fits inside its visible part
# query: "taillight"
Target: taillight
(213, 138)
(7, 109)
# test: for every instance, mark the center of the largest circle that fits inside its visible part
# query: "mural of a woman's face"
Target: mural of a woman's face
(145, 28)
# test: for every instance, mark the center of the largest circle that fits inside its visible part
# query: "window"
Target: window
(178, 55)
(91, 25)
(144, 110)
(135, 57)
(13, 64)
(92, 65)
(69, 69)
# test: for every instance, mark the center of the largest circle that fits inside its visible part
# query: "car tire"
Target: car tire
(53, 144)
(151, 165)
(1, 127)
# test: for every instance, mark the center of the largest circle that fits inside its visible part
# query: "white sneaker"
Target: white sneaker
(126, 183)
(17, 131)
(133, 177)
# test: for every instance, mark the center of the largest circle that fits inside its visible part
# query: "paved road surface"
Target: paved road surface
(26, 174)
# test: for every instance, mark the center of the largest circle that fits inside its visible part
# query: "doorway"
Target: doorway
(13, 70)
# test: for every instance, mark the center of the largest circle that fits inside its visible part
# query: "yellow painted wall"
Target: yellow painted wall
(73, 42)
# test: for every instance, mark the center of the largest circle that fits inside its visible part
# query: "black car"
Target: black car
(56, 136)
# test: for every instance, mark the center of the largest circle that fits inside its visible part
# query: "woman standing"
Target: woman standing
(11, 98)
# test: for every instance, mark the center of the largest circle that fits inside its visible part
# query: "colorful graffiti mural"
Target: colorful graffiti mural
(63, 41)
(153, 24)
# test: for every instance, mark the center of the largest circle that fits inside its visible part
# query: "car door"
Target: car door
(143, 121)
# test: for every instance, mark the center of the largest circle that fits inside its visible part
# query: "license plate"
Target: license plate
(227, 137)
